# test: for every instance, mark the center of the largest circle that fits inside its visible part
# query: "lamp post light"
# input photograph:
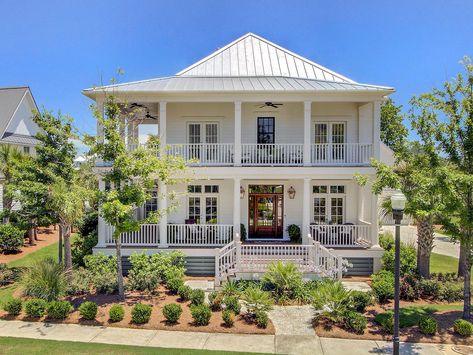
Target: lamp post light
(398, 202)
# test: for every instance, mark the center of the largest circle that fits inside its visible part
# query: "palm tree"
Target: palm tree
(8, 155)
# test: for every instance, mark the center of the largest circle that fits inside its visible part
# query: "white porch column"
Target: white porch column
(374, 219)
(307, 131)
(237, 133)
(305, 210)
(163, 223)
(377, 129)
(100, 108)
(102, 225)
(162, 126)
(236, 207)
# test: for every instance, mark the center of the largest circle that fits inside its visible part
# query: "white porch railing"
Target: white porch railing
(204, 153)
(341, 235)
(199, 235)
(272, 154)
(341, 154)
(148, 235)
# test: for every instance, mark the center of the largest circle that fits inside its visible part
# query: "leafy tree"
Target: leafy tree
(130, 174)
(444, 119)
(8, 156)
(393, 131)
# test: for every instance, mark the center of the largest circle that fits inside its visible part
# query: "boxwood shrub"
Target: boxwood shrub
(116, 313)
(463, 327)
(184, 292)
(197, 297)
(59, 309)
(36, 307)
(428, 325)
(361, 300)
(13, 307)
(355, 322)
(141, 313)
(201, 314)
(11, 238)
(88, 310)
(383, 285)
(172, 312)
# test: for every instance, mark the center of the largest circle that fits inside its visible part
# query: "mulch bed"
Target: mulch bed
(373, 331)
(157, 320)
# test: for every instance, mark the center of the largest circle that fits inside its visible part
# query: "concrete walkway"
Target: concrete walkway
(281, 343)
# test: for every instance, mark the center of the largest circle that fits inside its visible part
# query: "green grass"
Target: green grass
(443, 263)
(52, 347)
(408, 316)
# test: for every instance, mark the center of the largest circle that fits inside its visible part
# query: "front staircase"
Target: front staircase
(237, 258)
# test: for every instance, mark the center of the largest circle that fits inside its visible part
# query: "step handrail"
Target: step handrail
(225, 261)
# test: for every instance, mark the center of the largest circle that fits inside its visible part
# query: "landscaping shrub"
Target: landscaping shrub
(141, 313)
(201, 314)
(215, 301)
(103, 273)
(184, 292)
(11, 238)
(429, 288)
(59, 309)
(428, 325)
(79, 282)
(463, 327)
(355, 322)
(262, 319)
(9, 275)
(387, 322)
(44, 279)
(116, 313)
(408, 259)
(232, 304)
(382, 284)
(231, 288)
(256, 300)
(228, 317)
(282, 278)
(294, 232)
(142, 275)
(82, 245)
(172, 312)
(332, 301)
(361, 300)
(197, 297)
(168, 264)
(408, 317)
(386, 241)
(89, 223)
(36, 307)
(13, 307)
(105, 284)
(88, 310)
(450, 291)
(410, 288)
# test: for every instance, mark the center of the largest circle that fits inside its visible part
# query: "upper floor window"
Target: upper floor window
(26, 150)
(265, 130)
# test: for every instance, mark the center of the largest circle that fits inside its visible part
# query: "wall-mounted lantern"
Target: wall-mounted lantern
(291, 192)
(242, 192)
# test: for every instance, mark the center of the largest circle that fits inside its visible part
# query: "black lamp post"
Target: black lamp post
(398, 202)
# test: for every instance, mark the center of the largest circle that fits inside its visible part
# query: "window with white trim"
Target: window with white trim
(203, 203)
(151, 205)
(329, 204)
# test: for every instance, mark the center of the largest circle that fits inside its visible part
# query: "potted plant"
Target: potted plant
(294, 232)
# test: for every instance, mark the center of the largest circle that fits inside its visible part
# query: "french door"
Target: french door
(330, 139)
(203, 132)
(265, 215)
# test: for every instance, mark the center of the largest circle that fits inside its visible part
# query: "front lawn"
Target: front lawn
(51, 347)
(443, 264)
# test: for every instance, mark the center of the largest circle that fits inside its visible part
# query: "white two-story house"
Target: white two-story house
(276, 140)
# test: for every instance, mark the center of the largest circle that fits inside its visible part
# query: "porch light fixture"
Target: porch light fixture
(291, 192)
(242, 192)
(398, 203)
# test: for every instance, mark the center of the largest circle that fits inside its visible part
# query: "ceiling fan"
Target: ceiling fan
(134, 106)
(270, 104)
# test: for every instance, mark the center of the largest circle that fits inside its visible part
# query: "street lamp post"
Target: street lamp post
(398, 202)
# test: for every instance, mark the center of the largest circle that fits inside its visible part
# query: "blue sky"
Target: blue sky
(59, 48)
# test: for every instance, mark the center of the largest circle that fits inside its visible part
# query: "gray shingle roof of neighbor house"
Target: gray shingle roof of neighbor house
(10, 100)
(249, 64)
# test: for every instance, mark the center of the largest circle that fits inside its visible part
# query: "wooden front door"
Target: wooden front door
(265, 215)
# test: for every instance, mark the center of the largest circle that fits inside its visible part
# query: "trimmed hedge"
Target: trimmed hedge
(428, 325)
(172, 312)
(141, 313)
(463, 327)
(116, 313)
(201, 314)
(88, 310)
(36, 307)
(59, 309)
(13, 307)
(197, 297)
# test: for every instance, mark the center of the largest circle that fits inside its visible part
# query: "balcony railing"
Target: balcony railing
(148, 235)
(272, 154)
(341, 235)
(204, 153)
(341, 154)
(198, 235)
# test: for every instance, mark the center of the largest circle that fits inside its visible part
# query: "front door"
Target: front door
(265, 213)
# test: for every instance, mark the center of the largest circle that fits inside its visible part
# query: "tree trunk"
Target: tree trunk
(425, 244)
(60, 243)
(35, 233)
(67, 248)
(7, 204)
(462, 262)
(31, 236)
(467, 281)
(118, 247)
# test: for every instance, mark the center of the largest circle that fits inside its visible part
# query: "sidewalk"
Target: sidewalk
(274, 344)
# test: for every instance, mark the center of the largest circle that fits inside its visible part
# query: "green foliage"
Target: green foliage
(197, 297)
(9, 275)
(103, 270)
(172, 312)
(382, 284)
(408, 259)
(11, 238)
(242, 232)
(45, 280)
(36, 307)
(89, 223)
(59, 309)
(88, 310)
(13, 307)
(184, 292)
(230, 288)
(116, 313)
(361, 300)
(393, 132)
(428, 325)
(450, 292)
(201, 314)
(282, 278)
(228, 318)
(105, 284)
(430, 288)
(142, 275)
(386, 321)
(410, 288)
(408, 317)
(79, 282)
(331, 301)
(215, 301)
(355, 322)
(262, 319)
(232, 303)
(141, 313)
(82, 245)
(174, 283)
(386, 241)
(463, 327)
(256, 300)
(294, 232)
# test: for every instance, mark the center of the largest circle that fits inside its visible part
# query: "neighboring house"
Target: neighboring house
(278, 139)
(16, 122)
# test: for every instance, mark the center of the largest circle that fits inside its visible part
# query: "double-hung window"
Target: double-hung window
(203, 204)
(265, 130)
(329, 204)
